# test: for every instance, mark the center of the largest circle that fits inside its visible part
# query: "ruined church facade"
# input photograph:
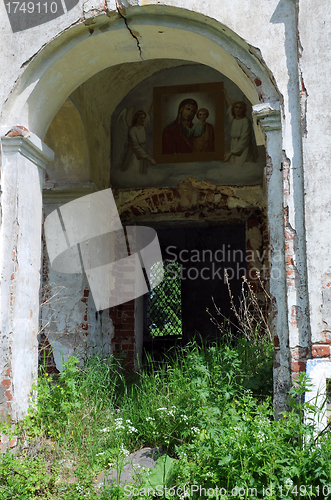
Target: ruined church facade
(68, 87)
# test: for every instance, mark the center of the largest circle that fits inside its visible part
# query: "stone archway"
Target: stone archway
(48, 80)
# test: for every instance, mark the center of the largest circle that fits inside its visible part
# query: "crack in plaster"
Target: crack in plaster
(303, 105)
(118, 8)
(303, 90)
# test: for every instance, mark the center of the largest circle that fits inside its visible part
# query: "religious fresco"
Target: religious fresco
(188, 123)
(191, 127)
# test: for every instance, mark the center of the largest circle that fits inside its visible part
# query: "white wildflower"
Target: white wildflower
(119, 423)
(195, 429)
(132, 429)
(106, 429)
(98, 454)
(149, 419)
(124, 451)
(161, 409)
(261, 436)
(184, 417)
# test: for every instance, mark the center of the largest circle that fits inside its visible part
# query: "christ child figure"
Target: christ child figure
(202, 133)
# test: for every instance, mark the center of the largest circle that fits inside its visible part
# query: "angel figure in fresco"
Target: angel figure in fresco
(136, 158)
(241, 149)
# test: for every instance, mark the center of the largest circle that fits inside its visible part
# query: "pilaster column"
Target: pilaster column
(268, 117)
(24, 158)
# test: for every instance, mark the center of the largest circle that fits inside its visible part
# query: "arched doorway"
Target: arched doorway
(165, 35)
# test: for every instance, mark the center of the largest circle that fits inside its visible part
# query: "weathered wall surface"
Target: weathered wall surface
(66, 137)
(315, 36)
(69, 321)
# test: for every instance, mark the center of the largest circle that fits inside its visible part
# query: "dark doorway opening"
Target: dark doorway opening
(196, 260)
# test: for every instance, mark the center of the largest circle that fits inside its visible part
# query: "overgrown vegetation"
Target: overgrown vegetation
(204, 409)
(209, 408)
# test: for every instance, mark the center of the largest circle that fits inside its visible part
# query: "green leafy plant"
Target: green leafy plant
(196, 406)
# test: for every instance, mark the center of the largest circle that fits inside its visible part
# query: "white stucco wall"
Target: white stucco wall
(315, 36)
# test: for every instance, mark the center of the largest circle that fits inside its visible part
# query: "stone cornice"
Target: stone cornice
(267, 116)
(29, 146)
(65, 196)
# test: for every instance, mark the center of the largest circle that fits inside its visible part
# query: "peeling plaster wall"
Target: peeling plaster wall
(68, 317)
(315, 39)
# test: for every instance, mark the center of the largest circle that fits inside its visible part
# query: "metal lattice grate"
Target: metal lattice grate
(164, 311)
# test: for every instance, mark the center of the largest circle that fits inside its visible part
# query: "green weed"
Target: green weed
(206, 408)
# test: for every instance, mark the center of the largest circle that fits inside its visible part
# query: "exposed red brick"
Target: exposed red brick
(289, 234)
(135, 211)
(320, 351)
(86, 293)
(129, 314)
(252, 223)
(276, 340)
(327, 337)
(8, 395)
(126, 329)
(299, 353)
(257, 82)
(5, 383)
(298, 366)
(155, 200)
(13, 442)
(129, 321)
(289, 260)
(84, 326)
(18, 130)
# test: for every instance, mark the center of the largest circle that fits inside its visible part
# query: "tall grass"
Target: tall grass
(209, 408)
